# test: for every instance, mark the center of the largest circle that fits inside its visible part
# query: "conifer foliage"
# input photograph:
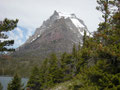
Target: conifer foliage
(5, 26)
(34, 81)
(1, 86)
(15, 84)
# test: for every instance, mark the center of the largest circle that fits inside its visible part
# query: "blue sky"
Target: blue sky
(20, 35)
(31, 14)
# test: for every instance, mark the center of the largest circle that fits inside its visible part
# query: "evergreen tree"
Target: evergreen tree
(55, 74)
(15, 84)
(105, 48)
(79, 46)
(84, 38)
(103, 30)
(5, 26)
(115, 21)
(67, 65)
(44, 73)
(1, 86)
(74, 51)
(34, 80)
(104, 8)
(109, 37)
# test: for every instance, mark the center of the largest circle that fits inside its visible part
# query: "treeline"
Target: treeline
(95, 65)
(54, 70)
(10, 65)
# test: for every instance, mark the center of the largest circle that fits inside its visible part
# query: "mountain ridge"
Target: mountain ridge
(56, 35)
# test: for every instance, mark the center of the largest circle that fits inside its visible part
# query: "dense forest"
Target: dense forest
(92, 65)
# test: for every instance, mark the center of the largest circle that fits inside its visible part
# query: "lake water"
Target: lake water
(5, 80)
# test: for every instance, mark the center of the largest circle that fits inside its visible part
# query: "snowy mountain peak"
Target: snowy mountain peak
(75, 24)
(57, 34)
(63, 15)
(56, 13)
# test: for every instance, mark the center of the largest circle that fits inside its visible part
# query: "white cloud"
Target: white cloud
(30, 32)
(19, 42)
(20, 32)
(17, 37)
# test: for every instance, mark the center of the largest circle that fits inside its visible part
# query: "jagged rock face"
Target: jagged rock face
(56, 35)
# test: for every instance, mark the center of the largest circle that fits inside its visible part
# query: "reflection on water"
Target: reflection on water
(5, 80)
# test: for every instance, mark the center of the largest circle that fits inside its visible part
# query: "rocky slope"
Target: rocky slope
(56, 35)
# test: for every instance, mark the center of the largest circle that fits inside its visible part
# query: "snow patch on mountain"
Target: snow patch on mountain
(56, 16)
(76, 22)
(64, 15)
